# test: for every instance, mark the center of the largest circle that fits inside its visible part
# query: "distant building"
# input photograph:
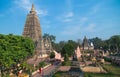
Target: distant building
(91, 46)
(47, 45)
(33, 30)
(58, 56)
(78, 53)
(87, 44)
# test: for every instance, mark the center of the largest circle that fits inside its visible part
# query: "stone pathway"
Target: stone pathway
(45, 72)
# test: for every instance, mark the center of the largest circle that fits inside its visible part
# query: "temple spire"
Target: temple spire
(33, 9)
(85, 37)
(32, 28)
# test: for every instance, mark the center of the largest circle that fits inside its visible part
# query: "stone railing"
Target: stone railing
(42, 69)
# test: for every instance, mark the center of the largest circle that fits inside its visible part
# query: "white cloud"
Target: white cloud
(69, 14)
(42, 12)
(95, 8)
(46, 24)
(83, 20)
(71, 30)
(27, 4)
(66, 17)
(67, 20)
(90, 28)
(69, 5)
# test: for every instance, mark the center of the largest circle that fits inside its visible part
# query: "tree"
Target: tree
(61, 44)
(114, 42)
(69, 48)
(14, 50)
(42, 64)
(105, 45)
(52, 40)
(58, 46)
(98, 43)
(66, 58)
(51, 37)
(52, 55)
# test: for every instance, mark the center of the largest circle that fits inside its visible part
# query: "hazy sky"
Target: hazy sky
(66, 19)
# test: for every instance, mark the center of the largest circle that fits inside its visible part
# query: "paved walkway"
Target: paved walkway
(33, 61)
(45, 72)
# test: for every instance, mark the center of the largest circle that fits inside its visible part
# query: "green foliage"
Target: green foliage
(66, 63)
(107, 59)
(52, 55)
(113, 71)
(88, 51)
(61, 44)
(42, 64)
(58, 46)
(100, 75)
(97, 42)
(51, 37)
(113, 43)
(14, 49)
(63, 63)
(58, 74)
(27, 68)
(69, 48)
(66, 58)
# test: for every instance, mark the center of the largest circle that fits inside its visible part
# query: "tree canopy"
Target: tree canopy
(14, 49)
(51, 37)
(113, 43)
(97, 42)
(69, 48)
(52, 55)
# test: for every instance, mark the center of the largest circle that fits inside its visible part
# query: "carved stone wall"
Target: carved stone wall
(32, 29)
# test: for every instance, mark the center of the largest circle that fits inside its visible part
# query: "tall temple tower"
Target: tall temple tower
(85, 43)
(32, 29)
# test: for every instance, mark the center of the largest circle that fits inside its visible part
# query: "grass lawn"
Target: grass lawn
(58, 74)
(100, 75)
(113, 71)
